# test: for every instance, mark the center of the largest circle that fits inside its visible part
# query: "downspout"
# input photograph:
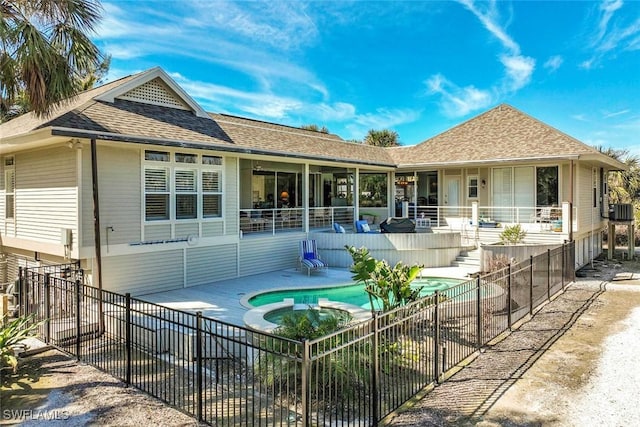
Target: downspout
(96, 229)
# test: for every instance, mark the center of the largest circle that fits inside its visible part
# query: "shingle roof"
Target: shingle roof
(136, 121)
(29, 122)
(502, 133)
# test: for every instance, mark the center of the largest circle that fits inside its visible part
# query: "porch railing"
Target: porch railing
(273, 221)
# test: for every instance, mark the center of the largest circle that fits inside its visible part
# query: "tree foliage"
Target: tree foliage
(46, 51)
(315, 128)
(382, 138)
(388, 287)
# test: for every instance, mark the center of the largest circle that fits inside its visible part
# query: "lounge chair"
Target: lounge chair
(309, 257)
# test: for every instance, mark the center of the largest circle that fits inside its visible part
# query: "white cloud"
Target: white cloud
(458, 101)
(382, 118)
(613, 34)
(553, 63)
(579, 117)
(518, 70)
(609, 114)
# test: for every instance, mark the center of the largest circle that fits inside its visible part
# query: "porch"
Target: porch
(476, 224)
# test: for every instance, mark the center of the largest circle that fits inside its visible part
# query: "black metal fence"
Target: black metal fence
(226, 375)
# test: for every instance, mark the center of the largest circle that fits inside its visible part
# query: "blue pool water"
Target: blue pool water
(350, 294)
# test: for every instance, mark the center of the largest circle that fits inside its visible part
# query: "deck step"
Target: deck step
(468, 258)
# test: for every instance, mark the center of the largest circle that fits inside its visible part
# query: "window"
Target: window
(472, 187)
(186, 194)
(547, 186)
(9, 188)
(211, 195)
(176, 190)
(156, 197)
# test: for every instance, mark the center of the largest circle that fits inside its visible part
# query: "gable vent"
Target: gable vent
(155, 92)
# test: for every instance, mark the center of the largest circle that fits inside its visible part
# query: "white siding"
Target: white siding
(269, 254)
(119, 192)
(231, 190)
(144, 273)
(187, 229)
(46, 194)
(584, 200)
(211, 264)
(213, 228)
(157, 232)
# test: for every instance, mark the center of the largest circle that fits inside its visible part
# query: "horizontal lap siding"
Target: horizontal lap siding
(211, 264)
(157, 232)
(187, 229)
(270, 253)
(231, 196)
(46, 194)
(212, 229)
(120, 193)
(144, 273)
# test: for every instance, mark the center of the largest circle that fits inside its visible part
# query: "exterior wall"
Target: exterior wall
(210, 264)
(46, 201)
(271, 253)
(119, 191)
(427, 249)
(144, 272)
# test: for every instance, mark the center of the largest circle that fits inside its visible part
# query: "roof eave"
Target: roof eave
(106, 136)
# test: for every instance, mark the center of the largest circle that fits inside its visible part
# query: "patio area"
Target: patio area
(221, 300)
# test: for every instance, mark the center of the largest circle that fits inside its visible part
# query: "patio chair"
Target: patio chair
(543, 216)
(309, 257)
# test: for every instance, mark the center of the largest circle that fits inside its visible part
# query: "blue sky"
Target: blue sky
(416, 67)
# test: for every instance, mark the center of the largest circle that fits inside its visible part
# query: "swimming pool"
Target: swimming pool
(351, 294)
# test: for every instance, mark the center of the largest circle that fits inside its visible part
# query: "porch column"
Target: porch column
(305, 198)
(356, 196)
(566, 218)
(391, 194)
(474, 213)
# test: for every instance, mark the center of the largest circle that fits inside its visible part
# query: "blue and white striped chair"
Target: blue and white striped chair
(309, 257)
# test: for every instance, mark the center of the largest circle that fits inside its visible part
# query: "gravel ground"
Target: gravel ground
(574, 364)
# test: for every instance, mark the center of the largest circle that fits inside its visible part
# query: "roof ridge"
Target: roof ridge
(293, 131)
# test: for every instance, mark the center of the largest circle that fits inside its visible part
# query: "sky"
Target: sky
(414, 67)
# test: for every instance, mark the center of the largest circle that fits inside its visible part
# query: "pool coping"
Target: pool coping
(254, 318)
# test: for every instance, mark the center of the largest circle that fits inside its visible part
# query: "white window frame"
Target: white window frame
(9, 191)
(469, 187)
(203, 163)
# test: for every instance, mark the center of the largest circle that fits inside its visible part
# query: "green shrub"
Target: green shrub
(11, 333)
(512, 235)
(388, 287)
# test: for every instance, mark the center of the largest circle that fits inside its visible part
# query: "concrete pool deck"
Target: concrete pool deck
(221, 300)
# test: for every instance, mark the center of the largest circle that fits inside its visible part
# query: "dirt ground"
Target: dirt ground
(538, 375)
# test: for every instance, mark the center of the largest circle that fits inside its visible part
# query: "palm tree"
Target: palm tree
(382, 138)
(46, 51)
(624, 186)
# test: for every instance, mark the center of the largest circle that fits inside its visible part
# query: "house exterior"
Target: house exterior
(149, 192)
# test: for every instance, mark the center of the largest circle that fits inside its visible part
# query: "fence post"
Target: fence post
(22, 291)
(375, 408)
(127, 297)
(531, 284)
(47, 308)
(564, 249)
(478, 314)
(548, 274)
(78, 320)
(304, 379)
(199, 362)
(509, 320)
(436, 339)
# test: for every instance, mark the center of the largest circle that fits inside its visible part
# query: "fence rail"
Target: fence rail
(224, 374)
